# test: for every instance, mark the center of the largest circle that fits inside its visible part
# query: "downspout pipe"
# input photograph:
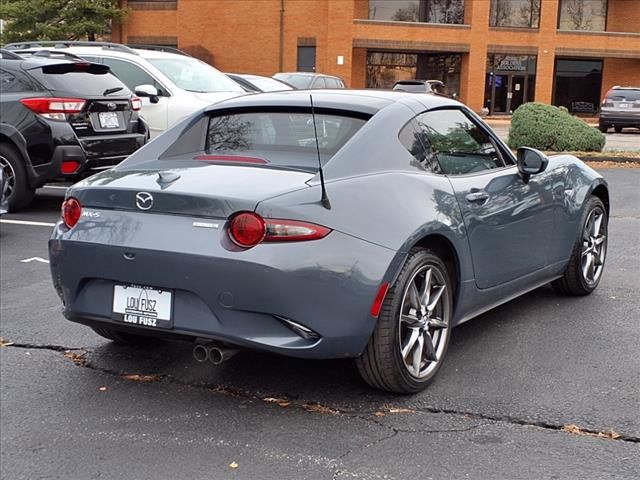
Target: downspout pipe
(281, 57)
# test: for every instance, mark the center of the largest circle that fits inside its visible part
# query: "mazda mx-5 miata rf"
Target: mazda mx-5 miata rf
(325, 224)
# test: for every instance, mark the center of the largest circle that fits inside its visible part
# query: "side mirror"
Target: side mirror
(147, 91)
(531, 161)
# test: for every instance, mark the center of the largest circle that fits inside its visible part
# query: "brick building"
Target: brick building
(493, 53)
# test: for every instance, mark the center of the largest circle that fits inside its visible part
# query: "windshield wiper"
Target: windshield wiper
(109, 91)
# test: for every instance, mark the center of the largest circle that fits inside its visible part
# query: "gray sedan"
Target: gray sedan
(366, 224)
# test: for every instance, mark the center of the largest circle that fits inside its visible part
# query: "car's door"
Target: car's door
(155, 113)
(509, 222)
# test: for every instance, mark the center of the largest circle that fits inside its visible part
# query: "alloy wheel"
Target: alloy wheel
(594, 246)
(423, 322)
(9, 175)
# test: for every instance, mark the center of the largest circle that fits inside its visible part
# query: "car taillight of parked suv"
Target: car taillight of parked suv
(62, 118)
(620, 108)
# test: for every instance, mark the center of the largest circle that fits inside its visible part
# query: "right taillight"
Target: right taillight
(54, 108)
(136, 104)
(71, 212)
(248, 229)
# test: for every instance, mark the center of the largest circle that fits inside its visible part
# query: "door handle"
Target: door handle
(477, 197)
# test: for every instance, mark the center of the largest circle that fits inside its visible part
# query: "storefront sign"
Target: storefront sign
(512, 64)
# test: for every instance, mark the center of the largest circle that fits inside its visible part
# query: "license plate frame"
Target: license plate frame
(109, 120)
(142, 305)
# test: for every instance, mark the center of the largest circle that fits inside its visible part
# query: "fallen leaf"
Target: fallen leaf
(136, 377)
(576, 430)
(4, 343)
(317, 408)
(76, 358)
(233, 465)
(103, 389)
(379, 414)
(401, 410)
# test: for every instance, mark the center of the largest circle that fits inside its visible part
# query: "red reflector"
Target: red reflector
(231, 158)
(247, 229)
(69, 166)
(377, 303)
(71, 212)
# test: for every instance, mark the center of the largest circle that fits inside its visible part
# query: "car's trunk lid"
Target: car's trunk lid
(205, 190)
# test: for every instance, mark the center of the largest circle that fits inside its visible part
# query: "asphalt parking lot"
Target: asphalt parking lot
(542, 387)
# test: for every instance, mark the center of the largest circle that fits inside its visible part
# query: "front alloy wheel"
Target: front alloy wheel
(411, 337)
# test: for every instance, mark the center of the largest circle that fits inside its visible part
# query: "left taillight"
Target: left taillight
(248, 229)
(54, 108)
(71, 212)
(136, 104)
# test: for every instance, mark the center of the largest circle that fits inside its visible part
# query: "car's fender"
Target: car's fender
(17, 140)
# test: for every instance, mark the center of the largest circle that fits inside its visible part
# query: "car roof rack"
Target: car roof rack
(158, 48)
(69, 43)
(45, 53)
(8, 55)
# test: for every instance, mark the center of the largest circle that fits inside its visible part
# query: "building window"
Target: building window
(515, 13)
(510, 82)
(384, 69)
(577, 84)
(307, 59)
(588, 15)
(426, 11)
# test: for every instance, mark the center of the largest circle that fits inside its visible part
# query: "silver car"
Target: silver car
(620, 108)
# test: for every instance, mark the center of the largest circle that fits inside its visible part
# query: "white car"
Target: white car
(172, 85)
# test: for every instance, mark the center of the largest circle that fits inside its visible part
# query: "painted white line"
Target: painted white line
(25, 222)
(34, 259)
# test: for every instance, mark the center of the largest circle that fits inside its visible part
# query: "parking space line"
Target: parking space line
(26, 222)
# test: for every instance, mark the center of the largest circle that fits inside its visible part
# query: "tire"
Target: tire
(20, 193)
(603, 128)
(382, 365)
(121, 337)
(578, 280)
(617, 129)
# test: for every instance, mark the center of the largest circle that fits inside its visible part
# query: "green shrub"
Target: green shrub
(550, 128)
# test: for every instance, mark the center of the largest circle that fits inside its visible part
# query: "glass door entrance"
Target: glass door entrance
(507, 92)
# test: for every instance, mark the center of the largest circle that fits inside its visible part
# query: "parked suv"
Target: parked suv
(172, 84)
(61, 118)
(422, 86)
(620, 108)
(306, 80)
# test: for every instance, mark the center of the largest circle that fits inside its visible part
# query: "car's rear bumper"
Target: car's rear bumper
(619, 119)
(242, 298)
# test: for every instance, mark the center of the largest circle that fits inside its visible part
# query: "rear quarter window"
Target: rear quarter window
(282, 139)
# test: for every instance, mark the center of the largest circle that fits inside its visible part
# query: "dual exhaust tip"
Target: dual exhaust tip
(214, 353)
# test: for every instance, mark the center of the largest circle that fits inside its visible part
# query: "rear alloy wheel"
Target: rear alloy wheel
(617, 129)
(19, 193)
(603, 128)
(121, 337)
(587, 260)
(411, 338)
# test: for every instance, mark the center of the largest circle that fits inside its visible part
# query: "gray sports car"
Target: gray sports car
(360, 224)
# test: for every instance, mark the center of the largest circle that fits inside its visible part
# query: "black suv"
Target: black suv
(62, 117)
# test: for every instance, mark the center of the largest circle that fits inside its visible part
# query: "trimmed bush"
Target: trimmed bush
(550, 128)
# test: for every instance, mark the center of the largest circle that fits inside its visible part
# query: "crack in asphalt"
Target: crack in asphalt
(314, 407)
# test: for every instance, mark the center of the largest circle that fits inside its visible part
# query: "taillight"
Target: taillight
(54, 108)
(71, 212)
(248, 229)
(136, 104)
(69, 166)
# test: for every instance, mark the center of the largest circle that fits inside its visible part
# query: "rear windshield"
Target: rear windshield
(93, 83)
(268, 84)
(297, 81)
(410, 87)
(630, 95)
(282, 139)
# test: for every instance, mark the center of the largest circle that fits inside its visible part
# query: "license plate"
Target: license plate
(108, 120)
(140, 305)
(623, 105)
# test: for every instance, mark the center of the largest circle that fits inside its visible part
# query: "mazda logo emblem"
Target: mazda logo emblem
(144, 200)
(111, 106)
